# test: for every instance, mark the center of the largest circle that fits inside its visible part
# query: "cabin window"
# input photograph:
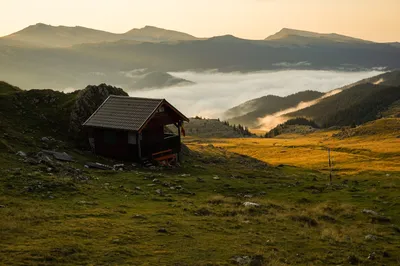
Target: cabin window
(110, 137)
(132, 138)
(161, 109)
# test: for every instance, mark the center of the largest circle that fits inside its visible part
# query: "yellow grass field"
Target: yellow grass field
(376, 152)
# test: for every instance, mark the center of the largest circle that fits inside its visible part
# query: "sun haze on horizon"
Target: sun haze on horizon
(251, 19)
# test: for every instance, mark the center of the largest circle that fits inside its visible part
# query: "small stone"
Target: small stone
(251, 204)
(162, 230)
(2, 206)
(185, 175)
(115, 240)
(160, 192)
(21, 154)
(241, 260)
(138, 188)
(107, 184)
(45, 139)
(371, 256)
(370, 237)
(366, 211)
(200, 180)
(216, 178)
(248, 196)
(138, 216)
(155, 180)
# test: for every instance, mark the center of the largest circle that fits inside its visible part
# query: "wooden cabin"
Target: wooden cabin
(134, 129)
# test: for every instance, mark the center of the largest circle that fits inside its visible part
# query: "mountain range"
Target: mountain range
(62, 36)
(357, 103)
(43, 56)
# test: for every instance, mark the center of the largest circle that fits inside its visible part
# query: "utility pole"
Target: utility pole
(330, 166)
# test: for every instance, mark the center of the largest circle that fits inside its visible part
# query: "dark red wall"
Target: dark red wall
(114, 143)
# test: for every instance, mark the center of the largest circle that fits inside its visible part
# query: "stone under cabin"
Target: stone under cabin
(134, 129)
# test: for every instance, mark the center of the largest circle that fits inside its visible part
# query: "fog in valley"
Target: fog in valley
(270, 121)
(214, 92)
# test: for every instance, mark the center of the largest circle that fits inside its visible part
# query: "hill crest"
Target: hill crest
(65, 36)
(287, 33)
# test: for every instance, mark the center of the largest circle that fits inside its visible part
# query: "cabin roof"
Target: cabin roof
(126, 113)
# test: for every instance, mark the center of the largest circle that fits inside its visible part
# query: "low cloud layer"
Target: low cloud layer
(216, 92)
(270, 121)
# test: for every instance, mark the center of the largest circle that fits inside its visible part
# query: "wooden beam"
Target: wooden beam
(179, 134)
(138, 137)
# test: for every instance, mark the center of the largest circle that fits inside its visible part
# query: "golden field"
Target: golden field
(376, 148)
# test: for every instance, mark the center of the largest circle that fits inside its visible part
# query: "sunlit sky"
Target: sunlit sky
(376, 20)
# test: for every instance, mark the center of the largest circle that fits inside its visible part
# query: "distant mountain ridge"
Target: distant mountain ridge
(43, 56)
(151, 33)
(63, 36)
(159, 80)
(289, 34)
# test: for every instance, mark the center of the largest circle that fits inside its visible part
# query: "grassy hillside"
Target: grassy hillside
(356, 105)
(224, 204)
(35, 112)
(6, 88)
(213, 128)
(248, 112)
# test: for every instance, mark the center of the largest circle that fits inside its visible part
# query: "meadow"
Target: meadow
(233, 201)
(376, 147)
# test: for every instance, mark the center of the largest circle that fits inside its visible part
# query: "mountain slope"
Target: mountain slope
(357, 104)
(159, 80)
(62, 36)
(248, 112)
(300, 36)
(369, 109)
(154, 34)
(6, 88)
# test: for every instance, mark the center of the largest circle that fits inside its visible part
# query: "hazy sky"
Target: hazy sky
(377, 20)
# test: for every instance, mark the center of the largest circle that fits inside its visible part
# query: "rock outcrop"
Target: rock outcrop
(87, 101)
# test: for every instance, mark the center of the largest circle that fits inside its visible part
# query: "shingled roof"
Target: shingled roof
(126, 113)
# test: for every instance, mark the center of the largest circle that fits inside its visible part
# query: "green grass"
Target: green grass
(51, 218)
